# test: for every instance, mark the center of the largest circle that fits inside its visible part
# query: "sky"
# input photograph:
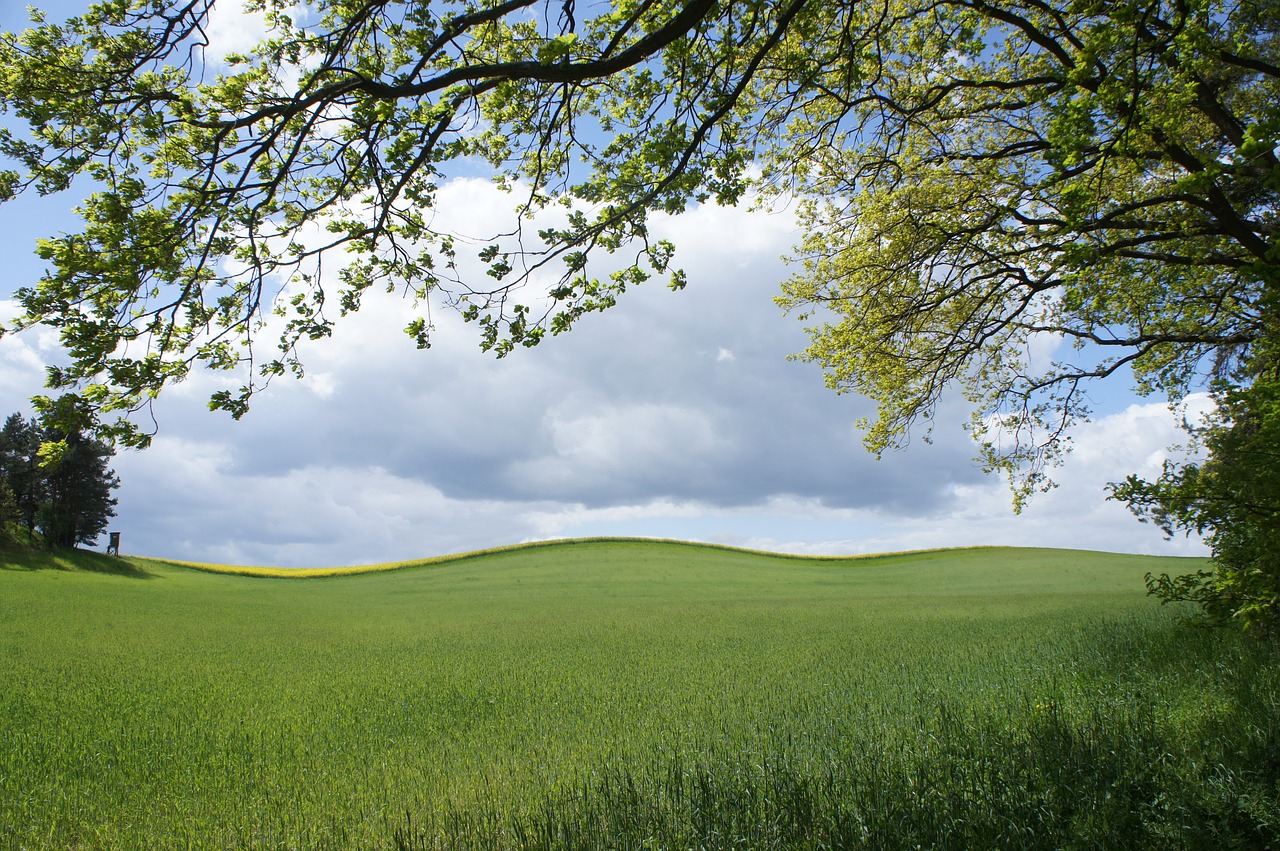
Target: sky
(673, 415)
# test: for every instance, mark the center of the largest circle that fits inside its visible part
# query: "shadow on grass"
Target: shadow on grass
(19, 557)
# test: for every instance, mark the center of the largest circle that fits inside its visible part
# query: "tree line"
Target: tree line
(56, 486)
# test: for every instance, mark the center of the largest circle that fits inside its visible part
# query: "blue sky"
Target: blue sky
(673, 415)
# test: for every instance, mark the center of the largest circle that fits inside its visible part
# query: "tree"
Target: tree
(1233, 498)
(61, 483)
(20, 470)
(216, 199)
(994, 177)
(79, 483)
(974, 178)
(8, 510)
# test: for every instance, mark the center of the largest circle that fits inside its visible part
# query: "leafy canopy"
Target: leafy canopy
(217, 192)
(974, 179)
(993, 179)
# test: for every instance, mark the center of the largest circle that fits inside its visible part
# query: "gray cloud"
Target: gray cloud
(673, 414)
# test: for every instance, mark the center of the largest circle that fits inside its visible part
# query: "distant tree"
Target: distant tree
(59, 484)
(8, 505)
(20, 470)
(78, 483)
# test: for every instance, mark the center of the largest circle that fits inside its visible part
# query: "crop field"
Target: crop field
(629, 694)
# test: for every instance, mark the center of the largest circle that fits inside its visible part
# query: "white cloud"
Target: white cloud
(1042, 348)
(307, 516)
(564, 519)
(322, 384)
(23, 357)
(631, 425)
(232, 29)
(343, 515)
(1073, 515)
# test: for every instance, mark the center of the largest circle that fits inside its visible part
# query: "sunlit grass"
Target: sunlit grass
(634, 693)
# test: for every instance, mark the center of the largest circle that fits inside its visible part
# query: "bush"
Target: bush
(1233, 499)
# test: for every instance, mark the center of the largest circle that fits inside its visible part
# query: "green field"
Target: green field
(630, 694)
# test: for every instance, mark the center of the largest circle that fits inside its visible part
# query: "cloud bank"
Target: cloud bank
(672, 415)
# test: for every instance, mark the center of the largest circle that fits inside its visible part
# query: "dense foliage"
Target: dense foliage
(21, 479)
(1233, 499)
(975, 176)
(1020, 197)
(57, 483)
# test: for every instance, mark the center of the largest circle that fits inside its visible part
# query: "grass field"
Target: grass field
(624, 694)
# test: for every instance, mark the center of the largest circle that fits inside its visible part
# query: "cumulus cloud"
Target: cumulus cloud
(305, 516)
(1075, 514)
(672, 415)
(597, 447)
(22, 360)
(232, 29)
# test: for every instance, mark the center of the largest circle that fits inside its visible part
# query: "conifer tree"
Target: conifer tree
(20, 469)
(78, 485)
(60, 485)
